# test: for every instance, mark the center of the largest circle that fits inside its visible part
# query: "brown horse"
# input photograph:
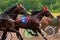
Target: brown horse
(10, 15)
(13, 12)
(33, 18)
(53, 22)
(33, 24)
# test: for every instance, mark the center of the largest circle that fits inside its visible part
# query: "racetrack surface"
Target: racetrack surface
(55, 37)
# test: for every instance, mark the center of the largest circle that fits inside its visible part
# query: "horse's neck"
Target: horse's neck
(8, 11)
(36, 12)
(11, 12)
(42, 14)
(13, 16)
(39, 15)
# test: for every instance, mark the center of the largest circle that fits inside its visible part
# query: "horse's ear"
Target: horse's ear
(19, 6)
(45, 8)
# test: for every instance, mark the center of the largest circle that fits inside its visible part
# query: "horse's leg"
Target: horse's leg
(34, 32)
(31, 28)
(17, 28)
(4, 35)
(39, 30)
(17, 32)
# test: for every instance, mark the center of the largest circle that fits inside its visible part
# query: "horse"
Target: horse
(53, 22)
(34, 16)
(17, 27)
(11, 15)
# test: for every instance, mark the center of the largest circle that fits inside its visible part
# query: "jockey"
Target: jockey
(22, 18)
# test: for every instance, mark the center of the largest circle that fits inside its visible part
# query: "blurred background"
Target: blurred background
(53, 5)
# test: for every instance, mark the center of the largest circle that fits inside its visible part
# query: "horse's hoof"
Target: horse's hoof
(45, 38)
(21, 39)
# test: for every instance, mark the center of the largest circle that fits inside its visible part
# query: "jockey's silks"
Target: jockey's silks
(24, 20)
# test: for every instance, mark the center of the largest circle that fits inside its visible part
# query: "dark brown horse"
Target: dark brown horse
(10, 15)
(13, 12)
(33, 18)
(6, 24)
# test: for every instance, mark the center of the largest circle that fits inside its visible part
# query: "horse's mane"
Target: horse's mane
(8, 11)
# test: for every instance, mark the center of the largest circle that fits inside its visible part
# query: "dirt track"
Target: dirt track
(56, 37)
(22, 30)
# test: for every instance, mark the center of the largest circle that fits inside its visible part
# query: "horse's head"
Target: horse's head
(44, 12)
(15, 10)
(20, 9)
